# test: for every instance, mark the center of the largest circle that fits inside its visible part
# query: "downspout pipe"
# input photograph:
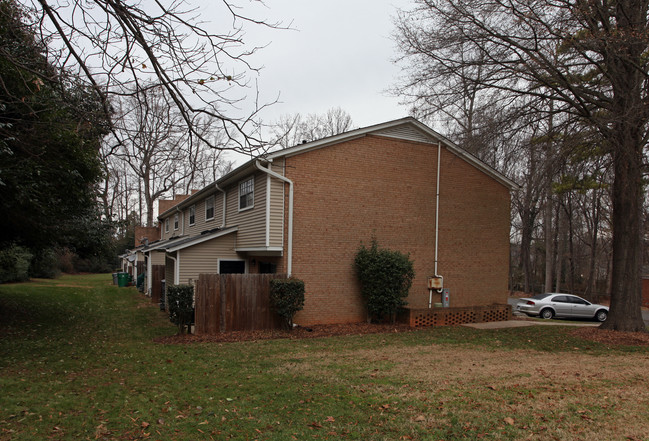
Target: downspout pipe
(439, 157)
(224, 204)
(289, 251)
(176, 269)
(439, 167)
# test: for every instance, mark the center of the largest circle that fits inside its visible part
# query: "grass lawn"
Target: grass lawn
(78, 361)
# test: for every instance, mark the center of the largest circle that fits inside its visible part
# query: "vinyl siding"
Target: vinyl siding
(157, 257)
(169, 271)
(251, 222)
(201, 224)
(277, 207)
(204, 257)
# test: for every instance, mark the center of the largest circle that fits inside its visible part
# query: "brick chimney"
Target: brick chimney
(150, 234)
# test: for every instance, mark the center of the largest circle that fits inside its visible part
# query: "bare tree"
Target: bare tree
(588, 57)
(121, 47)
(157, 148)
(291, 130)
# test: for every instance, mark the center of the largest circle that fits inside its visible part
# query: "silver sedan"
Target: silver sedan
(550, 305)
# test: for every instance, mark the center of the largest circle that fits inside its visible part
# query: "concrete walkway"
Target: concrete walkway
(523, 323)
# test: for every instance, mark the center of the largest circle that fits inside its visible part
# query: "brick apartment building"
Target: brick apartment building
(306, 210)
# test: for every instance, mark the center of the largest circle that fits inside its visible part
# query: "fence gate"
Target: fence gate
(234, 302)
(157, 275)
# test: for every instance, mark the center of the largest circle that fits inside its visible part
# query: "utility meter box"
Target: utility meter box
(446, 301)
(436, 283)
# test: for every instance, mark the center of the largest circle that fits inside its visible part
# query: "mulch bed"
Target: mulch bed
(315, 331)
(318, 331)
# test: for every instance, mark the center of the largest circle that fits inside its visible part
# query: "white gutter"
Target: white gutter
(224, 203)
(289, 251)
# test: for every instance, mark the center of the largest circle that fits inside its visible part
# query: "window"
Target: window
(232, 266)
(166, 225)
(176, 221)
(209, 208)
(247, 194)
(192, 215)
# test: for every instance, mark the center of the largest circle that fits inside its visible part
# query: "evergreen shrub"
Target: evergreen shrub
(385, 277)
(287, 298)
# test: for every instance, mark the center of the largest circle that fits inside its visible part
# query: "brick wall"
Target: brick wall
(385, 188)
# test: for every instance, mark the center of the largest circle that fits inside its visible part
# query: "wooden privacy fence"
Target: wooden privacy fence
(234, 302)
(157, 275)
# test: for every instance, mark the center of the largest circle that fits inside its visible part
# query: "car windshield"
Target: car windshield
(541, 296)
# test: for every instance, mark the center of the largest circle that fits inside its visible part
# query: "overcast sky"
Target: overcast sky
(338, 54)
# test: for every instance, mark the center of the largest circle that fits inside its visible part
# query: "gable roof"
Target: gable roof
(405, 128)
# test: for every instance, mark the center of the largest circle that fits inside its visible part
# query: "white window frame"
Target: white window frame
(213, 199)
(250, 180)
(176, 222)
(192, 214)
(166, 225)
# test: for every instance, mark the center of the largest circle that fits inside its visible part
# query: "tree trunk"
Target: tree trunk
(549, 241)
(626, 136)
(626, 295)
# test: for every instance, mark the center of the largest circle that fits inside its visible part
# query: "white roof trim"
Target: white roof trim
(259, 250)
(195, 240)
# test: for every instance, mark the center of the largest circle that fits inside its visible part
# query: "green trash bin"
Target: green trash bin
(122, 279)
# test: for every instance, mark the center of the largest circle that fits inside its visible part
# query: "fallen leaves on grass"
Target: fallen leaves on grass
(609, 337)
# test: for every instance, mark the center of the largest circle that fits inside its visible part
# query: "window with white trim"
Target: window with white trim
(209, 208)
(192, 215)
(247, 193)
(176, 221)
(166, 225)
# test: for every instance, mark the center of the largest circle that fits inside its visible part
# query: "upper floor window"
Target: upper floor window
(209, 208)
(166, 225)
(192, 215)
(247, 193)
(176, 221)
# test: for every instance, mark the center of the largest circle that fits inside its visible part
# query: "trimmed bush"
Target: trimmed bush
(14, 263)
(386, 277)
(180, 300)
(287, 298)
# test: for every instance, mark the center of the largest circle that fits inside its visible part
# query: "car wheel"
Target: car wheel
(547, 313)
(601, 315)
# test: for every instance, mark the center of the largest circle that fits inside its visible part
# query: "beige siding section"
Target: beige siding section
(201, 224)
(204, 257)
(169, 271)
(157, 257)
(277, 206)
(252, 222)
